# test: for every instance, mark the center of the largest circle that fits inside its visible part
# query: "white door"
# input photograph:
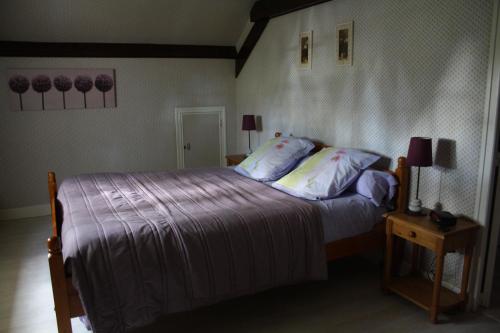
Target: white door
(200, 137)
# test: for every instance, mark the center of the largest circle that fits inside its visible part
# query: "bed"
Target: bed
(164, 209)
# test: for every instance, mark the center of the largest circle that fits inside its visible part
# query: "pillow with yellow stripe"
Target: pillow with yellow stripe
(274, 158)
(326, 174)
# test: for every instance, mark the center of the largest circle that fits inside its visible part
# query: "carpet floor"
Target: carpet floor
(350, 301)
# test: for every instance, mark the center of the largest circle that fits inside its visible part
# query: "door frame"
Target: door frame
(179, 132)
(486, 253)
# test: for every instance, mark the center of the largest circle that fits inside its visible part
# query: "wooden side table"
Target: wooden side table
(422, 232)
(235, 159)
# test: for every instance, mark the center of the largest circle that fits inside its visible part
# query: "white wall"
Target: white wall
(419, 69)
(138, 135)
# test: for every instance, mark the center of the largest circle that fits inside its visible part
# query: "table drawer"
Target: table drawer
(414, 235)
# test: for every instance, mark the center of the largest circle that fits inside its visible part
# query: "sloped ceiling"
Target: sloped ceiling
(197, 22)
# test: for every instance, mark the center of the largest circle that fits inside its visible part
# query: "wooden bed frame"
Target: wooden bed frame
(67, 302)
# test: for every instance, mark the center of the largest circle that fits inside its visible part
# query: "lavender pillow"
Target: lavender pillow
(376, 185)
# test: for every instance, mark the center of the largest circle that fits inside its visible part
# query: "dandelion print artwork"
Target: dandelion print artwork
(63, 84)
(83, 84)
(41, 84)
(19, 84)
(61, 89)
(103, 83)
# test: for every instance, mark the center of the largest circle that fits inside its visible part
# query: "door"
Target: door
(491, 282)
(200, 137)
(495, 289)
(493, 275)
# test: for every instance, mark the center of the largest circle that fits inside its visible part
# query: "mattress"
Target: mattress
(348, 215)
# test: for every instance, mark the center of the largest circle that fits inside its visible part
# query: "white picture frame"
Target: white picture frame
(305, 50)
(343, 43)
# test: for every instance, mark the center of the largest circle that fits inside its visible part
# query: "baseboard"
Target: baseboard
(24, 212)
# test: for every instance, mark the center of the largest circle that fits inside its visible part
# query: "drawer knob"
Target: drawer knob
(413, 234)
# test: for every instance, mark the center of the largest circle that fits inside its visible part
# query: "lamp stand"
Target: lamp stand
(249, 145)
(415, 206)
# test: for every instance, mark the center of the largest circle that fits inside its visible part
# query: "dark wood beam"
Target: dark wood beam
(266, 9)
(261, 12)
(114, 50)
(249, 44)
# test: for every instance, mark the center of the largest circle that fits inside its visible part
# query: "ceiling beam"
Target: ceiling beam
(261, 12)
(249, 44)
(266, 9)
(114, 50)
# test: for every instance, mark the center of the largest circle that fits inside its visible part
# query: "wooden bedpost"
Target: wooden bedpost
(59, 290)
(53, 202)
(402, 175)
(56, 264)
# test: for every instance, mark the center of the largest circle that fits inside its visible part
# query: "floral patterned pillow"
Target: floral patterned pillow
(326, 174)
(275, 158)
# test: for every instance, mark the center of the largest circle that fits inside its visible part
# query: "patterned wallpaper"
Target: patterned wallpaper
(137, 135)
(419, 69)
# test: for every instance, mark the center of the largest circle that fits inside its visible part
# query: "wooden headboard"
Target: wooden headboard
(401, 174)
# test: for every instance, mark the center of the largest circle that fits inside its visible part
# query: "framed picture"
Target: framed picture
(305, 52)
(61, 89)
(344, 44)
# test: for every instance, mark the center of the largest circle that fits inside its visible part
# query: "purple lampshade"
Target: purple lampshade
(248, 122)
(420, 152)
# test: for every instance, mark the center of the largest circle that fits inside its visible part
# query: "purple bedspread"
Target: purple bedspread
(144, 244)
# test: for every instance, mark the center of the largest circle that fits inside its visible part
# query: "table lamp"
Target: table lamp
(419, 155)
(248, 125)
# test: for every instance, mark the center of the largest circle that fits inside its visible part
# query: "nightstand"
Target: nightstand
(235, 159)
(422, 232)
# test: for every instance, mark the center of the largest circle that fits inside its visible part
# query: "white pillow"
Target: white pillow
(275, 158)
(326, 174)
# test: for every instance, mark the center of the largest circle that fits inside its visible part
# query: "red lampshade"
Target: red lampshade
(420, 152)
(248, 122)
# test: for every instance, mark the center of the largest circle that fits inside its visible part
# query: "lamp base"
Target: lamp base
(415, 206)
